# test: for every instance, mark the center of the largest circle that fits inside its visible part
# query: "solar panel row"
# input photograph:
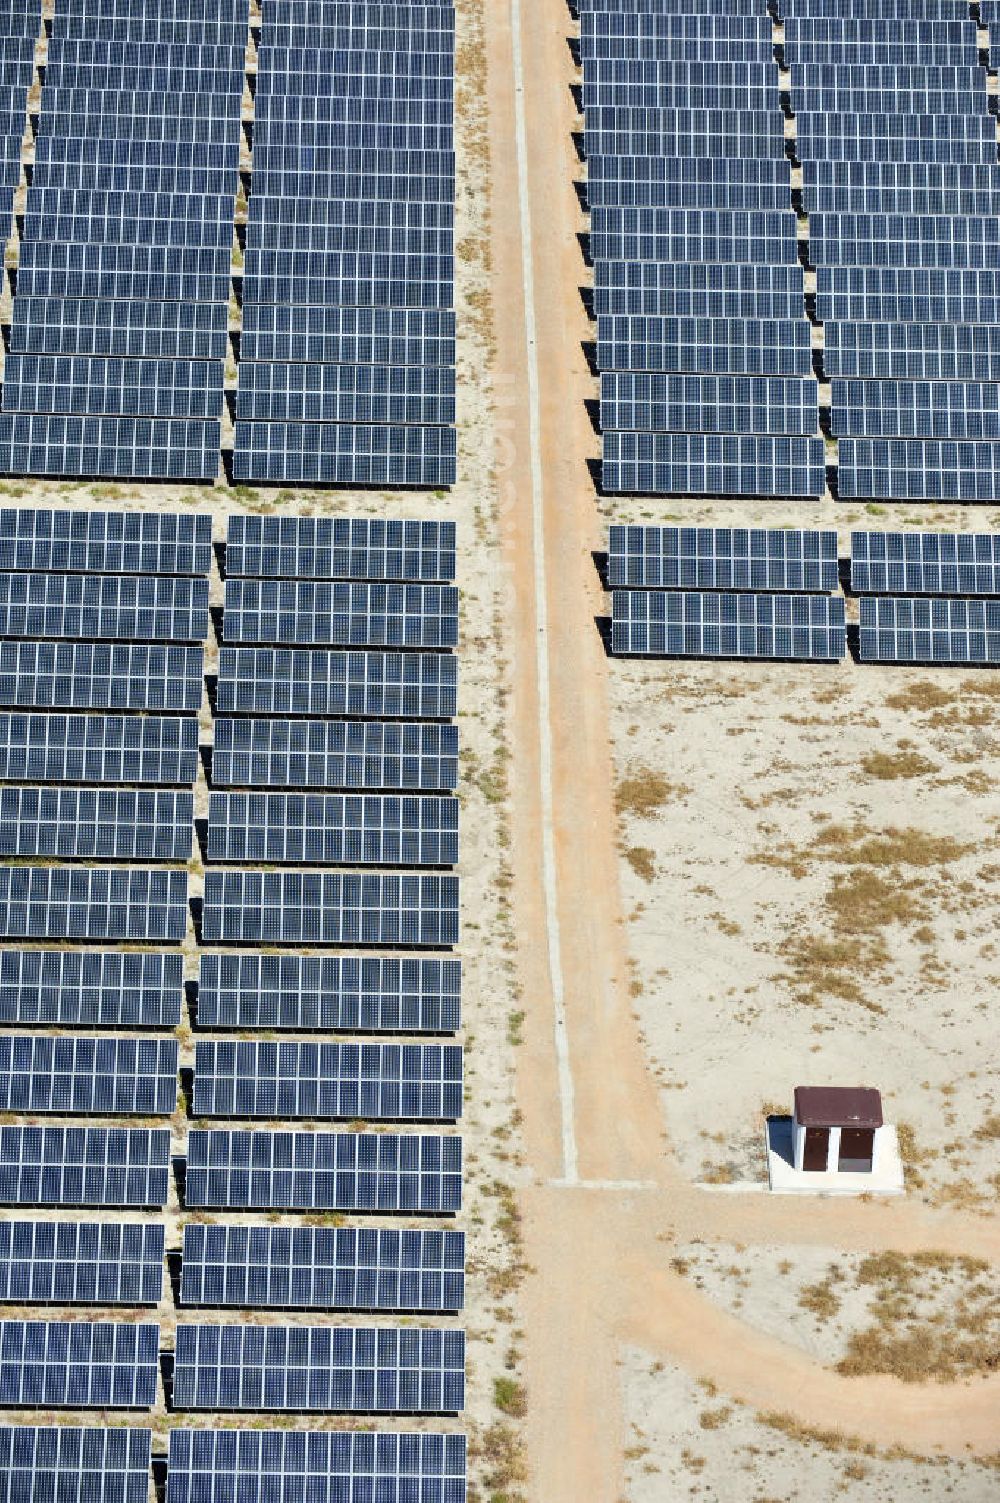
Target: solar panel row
(391, 1173)
(324, 1369)
(925, 563)
(363, 994)
(88, 1076)
(697, 624)
(98, 748)
(91, 988)
(366, 1467)
(84, 1166)
(79, 1465)
(260, 1267)
(81, 1263)
(364, 1082)
(332, 754)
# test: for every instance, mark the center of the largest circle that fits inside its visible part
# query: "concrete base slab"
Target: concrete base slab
(785, 1179)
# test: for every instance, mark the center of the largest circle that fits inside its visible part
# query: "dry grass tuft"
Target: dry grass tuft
(886, 766)
(642, 861)
(922, 695)
(854, 846)
(645, 792)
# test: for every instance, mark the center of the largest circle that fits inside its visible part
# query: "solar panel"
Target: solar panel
(918, 352)
(878, 138)
(722, 558)
(933, 563)
(707, 346)
(370, 994)
(693, 235)
(647, 402)
(849, 199)
(877, 77)
(84, 1166)
(333, 1171)
(670, 79)
(918, 469)
(839, 94)
(332, 453)
(343, 614)
(268, 681)
(333, 754)
(613, 105)
(119, 824)
(140, 448)
(684, 192)
(918, 10)
(158, 273)
(80, 1263)
(637, 288)
(360, 548)
(347, 336)
(325, 1268)
(334, 908)
(81, 902)
(902, 630)
(78, 1364)
(932, 240)
(105, 542)
(99, 989)
(917, 409)
(676, 624)
(712, 464)
(84, 1465)
(88, 1076)
(115, 326)
(103, 606)
(331, 829)
(395, 1468)
(98, 748)
(744, 171)
(90, 385)
(321, 1369)
(702, 135)
(99, 676)
(907, 295)
(871, 31)
(369, 1082)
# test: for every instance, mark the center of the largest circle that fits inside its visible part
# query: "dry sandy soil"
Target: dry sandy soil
(686, 1441)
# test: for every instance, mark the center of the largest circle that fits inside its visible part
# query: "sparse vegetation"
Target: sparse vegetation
(886, 766)
(936, 1316)
(645, 792)
(641, 859)
(510, 1397)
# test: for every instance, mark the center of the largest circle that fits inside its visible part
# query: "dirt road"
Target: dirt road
(604, 1202)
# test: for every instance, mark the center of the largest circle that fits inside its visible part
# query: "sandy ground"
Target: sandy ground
(687, 1442)
(490, 1123)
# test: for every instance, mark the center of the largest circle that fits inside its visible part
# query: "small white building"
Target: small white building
(835, 1143)
(837, 1129)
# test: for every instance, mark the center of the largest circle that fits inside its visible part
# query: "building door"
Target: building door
(816, 1149)
(856, 1148)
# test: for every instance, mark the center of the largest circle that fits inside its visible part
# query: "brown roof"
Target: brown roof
(838, 1106)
